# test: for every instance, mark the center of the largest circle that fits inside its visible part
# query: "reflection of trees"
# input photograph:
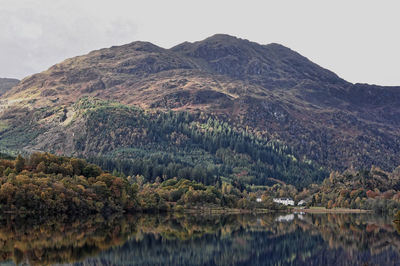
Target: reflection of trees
(61, 239)
(182, 239)
(257, 240)
(354, 232)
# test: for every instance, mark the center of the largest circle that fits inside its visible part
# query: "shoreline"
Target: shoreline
(213, 210)
(205, 210)
(338, 210)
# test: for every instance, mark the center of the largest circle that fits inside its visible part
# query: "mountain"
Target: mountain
(6, 84)
(112, 101)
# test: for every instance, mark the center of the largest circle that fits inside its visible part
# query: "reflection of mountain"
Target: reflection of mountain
(203, 240)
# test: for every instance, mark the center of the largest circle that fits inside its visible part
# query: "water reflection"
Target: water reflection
(44, 242)
(285, 239)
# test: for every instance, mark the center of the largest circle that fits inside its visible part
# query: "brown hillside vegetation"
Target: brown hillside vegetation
(270, 90)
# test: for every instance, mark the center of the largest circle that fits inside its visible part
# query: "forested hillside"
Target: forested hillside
(372, 189)
(219, 108)
(155, 144)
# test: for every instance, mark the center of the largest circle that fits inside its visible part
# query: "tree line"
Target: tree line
(195, 146)
(48, 184)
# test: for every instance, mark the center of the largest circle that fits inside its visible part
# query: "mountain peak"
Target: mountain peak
(224, 38)
(140, 46)
(272, 65)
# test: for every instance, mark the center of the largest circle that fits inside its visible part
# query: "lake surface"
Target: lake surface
(275, 239)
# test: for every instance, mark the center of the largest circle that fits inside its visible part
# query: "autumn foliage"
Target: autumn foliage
(45, 183)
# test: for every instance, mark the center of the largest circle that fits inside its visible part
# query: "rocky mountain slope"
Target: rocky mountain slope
(6, 84)
(268, 91)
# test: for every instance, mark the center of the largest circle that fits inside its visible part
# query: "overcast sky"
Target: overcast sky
(357, 39)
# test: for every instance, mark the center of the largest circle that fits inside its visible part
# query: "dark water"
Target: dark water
(285, 239)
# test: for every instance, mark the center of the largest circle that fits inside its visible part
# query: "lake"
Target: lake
(174, 239)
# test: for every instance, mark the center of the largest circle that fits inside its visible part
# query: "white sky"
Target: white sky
(357, 39)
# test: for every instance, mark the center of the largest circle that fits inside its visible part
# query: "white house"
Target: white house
(284, 201)
(301, 202)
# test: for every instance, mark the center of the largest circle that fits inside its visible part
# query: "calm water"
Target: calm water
(286, 239)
